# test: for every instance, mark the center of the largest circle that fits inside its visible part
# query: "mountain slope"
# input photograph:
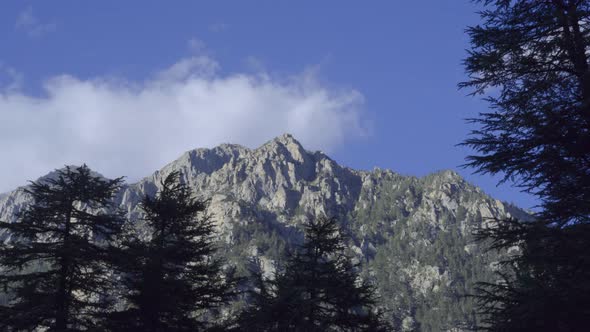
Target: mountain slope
(413, 235)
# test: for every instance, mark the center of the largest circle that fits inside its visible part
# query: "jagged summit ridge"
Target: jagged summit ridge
(278, 174)
(284, 147)
(274, 174)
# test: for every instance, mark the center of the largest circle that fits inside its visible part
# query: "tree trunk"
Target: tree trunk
(63, 291)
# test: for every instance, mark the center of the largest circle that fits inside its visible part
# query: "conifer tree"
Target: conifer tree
(319, 289)
(542, 286)
(172, 280)
(55, 266)
(530, 60)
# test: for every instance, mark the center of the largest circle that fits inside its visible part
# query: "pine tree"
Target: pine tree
(530, 59)
(55, 266)
(543, 286)
(172, 280)
(319, 289)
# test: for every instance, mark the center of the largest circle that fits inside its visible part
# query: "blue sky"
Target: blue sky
(371, 83)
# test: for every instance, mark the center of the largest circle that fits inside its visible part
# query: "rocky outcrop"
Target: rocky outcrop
(412, 234)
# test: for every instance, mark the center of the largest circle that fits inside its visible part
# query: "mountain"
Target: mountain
(412, 235)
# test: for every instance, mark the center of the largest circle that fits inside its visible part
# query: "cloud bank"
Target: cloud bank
(119, 127)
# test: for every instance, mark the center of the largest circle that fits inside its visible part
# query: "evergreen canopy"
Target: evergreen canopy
(55, 264)
(530, 58)
(172, 280)
(319, 289)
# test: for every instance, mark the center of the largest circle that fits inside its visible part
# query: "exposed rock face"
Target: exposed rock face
(412, 234)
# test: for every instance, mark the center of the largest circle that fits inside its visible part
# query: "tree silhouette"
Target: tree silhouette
(172, 280)
(319, 289)
(543, 287)
(55, 265)
(530, 59)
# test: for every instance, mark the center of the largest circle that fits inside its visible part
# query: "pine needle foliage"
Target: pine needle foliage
(172, 280)
(55, 266)
(530, 60)
(319, 289)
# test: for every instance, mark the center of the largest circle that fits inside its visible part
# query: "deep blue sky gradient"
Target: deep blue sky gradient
(403, 56)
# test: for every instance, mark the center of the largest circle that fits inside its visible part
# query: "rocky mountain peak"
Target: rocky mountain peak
(412, 234)
(286, 146)
(286, 138)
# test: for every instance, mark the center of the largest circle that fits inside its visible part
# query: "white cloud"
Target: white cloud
(27, 22)
(128, 128)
